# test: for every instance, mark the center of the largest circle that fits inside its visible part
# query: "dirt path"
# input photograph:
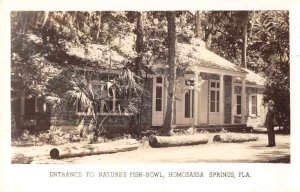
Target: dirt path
(248, 152)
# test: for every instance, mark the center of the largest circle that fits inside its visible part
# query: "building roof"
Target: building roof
(189, 56)
(196, 55)
(92, 55)
(192, 56)
(114, 56)
(253, 78)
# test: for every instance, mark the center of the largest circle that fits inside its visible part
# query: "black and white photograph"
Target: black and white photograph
(150, 86)
(153, 96)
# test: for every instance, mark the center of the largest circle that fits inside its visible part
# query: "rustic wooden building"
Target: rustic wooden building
(211, 93)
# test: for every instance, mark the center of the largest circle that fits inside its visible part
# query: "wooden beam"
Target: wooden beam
(195, 103)
(232, 100)
(243, 100)
(221, 102)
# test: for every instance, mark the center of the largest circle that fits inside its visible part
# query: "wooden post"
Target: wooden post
(221, 102)
(195, 107)
(243, 100)
(232, 100)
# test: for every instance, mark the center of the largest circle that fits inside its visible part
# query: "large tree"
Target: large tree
(270, 44)
(169, 118)
(198, 28)
(264, 36)
(244, 23)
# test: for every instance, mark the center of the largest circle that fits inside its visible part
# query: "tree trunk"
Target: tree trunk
(183, 140)
(95, 149)
(244, 36)
(234, 138)
(139, 60)
(139, 42)
(99, 20)
(198, 31)
(208, 37)
(168, 122)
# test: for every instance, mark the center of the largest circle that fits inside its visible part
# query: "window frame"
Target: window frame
(251, 105)
(189, 83)
(161, 99)
(216, 101)
(236, 104)
(101, 110)
(189, 110)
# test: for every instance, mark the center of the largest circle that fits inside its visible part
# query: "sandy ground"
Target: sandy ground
(248, 152)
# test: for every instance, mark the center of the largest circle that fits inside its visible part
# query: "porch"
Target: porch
(203, 99)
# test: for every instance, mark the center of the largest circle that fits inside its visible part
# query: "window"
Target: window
(253, 100)
(214, 96)
(238, 104)
(158, 105)
(109, 101)
(159, 80)
(214, 84)
(159, 94)
(189, 98)
(189, 104)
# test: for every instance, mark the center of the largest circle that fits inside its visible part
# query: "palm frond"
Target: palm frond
(54, 100)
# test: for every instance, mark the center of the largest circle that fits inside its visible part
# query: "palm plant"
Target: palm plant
(94, 97)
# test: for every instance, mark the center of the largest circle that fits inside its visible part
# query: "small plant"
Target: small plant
(53, 136)
(223, 131)
(26, 139)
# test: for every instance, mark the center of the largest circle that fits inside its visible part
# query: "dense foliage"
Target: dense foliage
(267, 49)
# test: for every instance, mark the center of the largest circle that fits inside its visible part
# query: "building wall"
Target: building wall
(68, 119)
(227, 99)
(203, 108)
(203, 103)
(204, 116)
(252, 120)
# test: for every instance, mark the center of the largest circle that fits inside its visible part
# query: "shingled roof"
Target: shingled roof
(189, 56)
(197, 55)
(100, 55)
(253, 78)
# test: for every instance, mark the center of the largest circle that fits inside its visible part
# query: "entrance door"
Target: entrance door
(188, 106)
(214, 102)
(185, 102)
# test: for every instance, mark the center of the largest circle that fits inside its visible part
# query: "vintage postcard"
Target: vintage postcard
(143, 96)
